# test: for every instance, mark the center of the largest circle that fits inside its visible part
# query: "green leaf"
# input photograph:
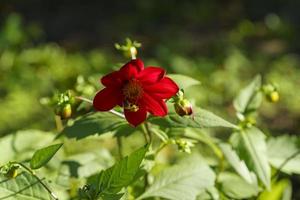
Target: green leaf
(183, 81)
(280, 190)
(42, 156)
(278, 155)
(237, 188)
(239, 165)
(23, 187)
(22, 144)
(251, 147)
(249, 98)
(120, 175)
(184, 182)
(201, 119)
(92, 123)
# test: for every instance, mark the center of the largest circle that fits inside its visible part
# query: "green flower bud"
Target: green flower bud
(273, 97)
(271, 93)
(183, 107)
(184, 145)
(10, 170)
(66, 111)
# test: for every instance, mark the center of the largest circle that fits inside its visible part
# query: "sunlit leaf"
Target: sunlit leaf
(237, 188)
(282, 148)
(280, 190)
(184, 182)
(120, 175)
(42, 156)
(23, 187)
(239, 165)
(183, 81)
(201, 119)
(93, 123)
(249, 98)
(251, 146)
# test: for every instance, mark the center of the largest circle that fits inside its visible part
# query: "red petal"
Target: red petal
(164, 89)
(156, 107)
(136, 118)
(131, 69)
(112, 79)
(107, 98)
(151, 75)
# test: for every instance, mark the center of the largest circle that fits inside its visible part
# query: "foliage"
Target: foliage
(231, 158)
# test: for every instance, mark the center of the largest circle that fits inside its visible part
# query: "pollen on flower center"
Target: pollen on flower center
(132, 90)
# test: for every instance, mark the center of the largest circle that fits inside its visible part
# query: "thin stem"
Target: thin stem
(38, 179)
(120, 147)
(285, 162)
(148, 131)
(144, 130)
(91, 102)
(161, 147)
(58, 122)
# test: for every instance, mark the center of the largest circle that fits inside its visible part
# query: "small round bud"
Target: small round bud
(12, 173)
(183, 107)
(66, 111)
(273, 97)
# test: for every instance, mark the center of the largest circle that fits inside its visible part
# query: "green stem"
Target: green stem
(38, 179)
(91, 102)
(120, 147)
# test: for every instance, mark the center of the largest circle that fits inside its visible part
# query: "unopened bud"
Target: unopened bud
(273, 97)
(271, 93)
(67, 111)
(183, 107)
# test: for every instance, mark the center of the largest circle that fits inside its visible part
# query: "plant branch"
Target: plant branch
(38, 179)
(91, 102)
(120, 147)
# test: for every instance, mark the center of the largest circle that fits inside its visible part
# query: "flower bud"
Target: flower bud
(184, 145)
(183, 107)
(10, 170)
(273, 97)
(66, 111)
(271, 93)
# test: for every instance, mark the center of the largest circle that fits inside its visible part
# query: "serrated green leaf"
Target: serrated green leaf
(184, 182)
(23, 187)
(183, 81)
(201, 119)
(42, 156)
(120, 175)
(235, 187)
(277, 155)
(93, 123)
(251, 146)
(239, 165)
(249, 98)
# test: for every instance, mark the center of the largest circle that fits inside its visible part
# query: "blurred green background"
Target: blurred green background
(46, 45)
(50, 46)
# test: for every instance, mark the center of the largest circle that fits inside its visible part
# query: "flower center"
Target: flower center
(132, 92)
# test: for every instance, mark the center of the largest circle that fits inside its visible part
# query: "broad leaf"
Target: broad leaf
(249, 98)
(239, 165)
(184, 81)
(23, 187)
(93, 123)
(22, 144)
(282, 148)
(184, 182)
(251, 146)
(235, 187)
(42, 156)
(120, 175)
(280, 190)
(201, 119)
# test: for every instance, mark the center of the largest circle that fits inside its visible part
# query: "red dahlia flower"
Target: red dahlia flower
(138, 90)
